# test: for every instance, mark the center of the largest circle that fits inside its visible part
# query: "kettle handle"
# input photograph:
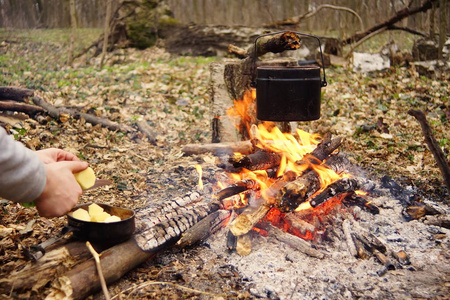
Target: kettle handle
(324, 81)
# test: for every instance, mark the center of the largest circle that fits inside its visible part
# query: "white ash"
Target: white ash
(276, 271)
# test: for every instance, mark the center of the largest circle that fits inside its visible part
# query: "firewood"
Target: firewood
(170, 231)
(226, 148)
(355, 200)
(344, 185)
(295, 242)
(54, 262)
(204, 228)
(237, 188)
(249, 217)
(259, 160)
(15, 93)
(298, 223)
(244, 244)
(83, 280)
(298, 191)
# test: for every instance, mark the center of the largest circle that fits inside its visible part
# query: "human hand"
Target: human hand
(61, 191)
(52, 155)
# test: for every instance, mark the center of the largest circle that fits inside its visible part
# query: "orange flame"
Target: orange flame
(200, 173)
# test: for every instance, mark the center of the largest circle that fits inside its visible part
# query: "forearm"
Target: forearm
(22, 173)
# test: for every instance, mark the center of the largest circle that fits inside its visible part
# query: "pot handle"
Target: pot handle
(324, 80)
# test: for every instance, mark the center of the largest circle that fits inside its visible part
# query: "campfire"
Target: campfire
(291, 181)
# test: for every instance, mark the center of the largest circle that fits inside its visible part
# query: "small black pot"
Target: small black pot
(106, 234)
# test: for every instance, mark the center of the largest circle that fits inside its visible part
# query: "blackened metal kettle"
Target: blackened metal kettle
(289, 93)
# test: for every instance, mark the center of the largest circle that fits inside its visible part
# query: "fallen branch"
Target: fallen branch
(28, 109)
(433, 145)
(57, 113)
(15, 93)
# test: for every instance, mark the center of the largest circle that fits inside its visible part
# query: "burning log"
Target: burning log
(298, 191)
(259, 160)
(344, 185)
(301, 225)
(237, 188)
(249, 217)
(295, 242)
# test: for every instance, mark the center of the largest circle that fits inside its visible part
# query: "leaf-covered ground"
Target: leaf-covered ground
(172, 95)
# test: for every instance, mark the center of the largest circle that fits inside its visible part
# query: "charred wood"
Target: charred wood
(170, 231)
(415, 212)
(439, 220)
(153, 214)
(15, 93)
(384, 260)
(402, 257)
(295, 242)
(355, 200)
(259, 160)
(346, 228)
(298, 191)
(344, 185)
(204, 228)
(298, 223)
(237, 188)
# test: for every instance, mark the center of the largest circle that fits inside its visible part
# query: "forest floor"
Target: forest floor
(172, 95)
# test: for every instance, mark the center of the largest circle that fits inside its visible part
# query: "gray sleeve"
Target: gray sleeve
(22, 173)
